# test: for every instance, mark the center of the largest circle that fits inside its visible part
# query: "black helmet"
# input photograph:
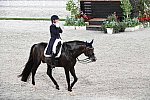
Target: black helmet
(54, 17)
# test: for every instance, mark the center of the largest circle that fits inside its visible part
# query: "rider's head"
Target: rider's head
(54, 18)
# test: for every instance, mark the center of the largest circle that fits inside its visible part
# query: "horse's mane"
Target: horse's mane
(69, 45)
(75, 41)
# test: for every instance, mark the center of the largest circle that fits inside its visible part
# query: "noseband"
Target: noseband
(86, 60)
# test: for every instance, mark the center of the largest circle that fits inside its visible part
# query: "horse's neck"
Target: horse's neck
(78, 52)
(76, 48)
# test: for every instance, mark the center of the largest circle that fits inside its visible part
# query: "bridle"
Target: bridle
(86, 60)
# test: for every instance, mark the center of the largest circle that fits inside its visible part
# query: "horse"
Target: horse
(70, 51)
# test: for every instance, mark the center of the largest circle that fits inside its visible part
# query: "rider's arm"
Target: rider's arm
(54, 31)
(60, 30)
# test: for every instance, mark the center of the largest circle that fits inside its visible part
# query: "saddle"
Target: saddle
(56, 49)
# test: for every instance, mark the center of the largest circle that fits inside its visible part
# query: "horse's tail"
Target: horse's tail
(28, 66)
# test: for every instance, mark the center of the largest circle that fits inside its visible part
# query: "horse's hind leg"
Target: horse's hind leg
(35, 66)
(72, 71)
(49, 73)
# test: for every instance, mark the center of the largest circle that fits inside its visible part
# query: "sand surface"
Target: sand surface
(121, 72)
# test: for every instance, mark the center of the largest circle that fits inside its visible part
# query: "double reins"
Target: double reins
(84, 61)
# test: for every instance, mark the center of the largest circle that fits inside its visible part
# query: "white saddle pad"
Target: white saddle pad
(54, 48)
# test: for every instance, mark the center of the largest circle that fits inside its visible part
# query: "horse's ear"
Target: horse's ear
(86, 42)
(92, 41)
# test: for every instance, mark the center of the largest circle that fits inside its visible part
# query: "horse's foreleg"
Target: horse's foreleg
(49, 73)
(68, 79)
(72, 71)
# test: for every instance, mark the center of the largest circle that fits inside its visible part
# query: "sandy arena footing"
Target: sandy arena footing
(121, 72)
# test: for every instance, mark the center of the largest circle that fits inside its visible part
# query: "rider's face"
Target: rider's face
(56, 21)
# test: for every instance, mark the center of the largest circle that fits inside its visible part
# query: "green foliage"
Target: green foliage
(80, 22)
(143, 6)
(122, 26)
(116, 28)
(140, 7)
(104, 28)
(74, 22)
(112, 18)
(131, 22)
(147, 4)
(126, 7)
(113, 23)
(110, 24)
(69, 21)
(73, 8)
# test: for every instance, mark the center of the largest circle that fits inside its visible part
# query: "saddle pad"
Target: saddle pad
(54, 48)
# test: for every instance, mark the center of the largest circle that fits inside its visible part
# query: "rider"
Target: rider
(55, 31)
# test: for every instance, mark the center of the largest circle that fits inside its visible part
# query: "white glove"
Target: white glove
(57, 25)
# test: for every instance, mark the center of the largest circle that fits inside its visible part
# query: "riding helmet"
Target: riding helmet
(54, 17)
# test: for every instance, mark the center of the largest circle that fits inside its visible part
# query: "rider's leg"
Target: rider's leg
(50, 46)
(53, 60)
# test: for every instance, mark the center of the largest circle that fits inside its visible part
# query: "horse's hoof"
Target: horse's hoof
(33, 83)
(70, 90)
(57, 87)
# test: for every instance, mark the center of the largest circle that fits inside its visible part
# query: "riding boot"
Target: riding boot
(53, 60)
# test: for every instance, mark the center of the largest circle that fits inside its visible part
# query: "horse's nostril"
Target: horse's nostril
(94, 60)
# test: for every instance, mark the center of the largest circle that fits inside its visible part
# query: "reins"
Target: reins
(84, 61)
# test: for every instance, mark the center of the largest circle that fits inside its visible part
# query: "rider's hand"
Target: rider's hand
(57, 24)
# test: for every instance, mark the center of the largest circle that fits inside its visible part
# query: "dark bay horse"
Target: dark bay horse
(70, 51)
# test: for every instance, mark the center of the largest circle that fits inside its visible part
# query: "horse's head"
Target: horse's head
(89, 51)
(76, 48)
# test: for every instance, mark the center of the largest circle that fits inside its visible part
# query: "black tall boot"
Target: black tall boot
(53, 60)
